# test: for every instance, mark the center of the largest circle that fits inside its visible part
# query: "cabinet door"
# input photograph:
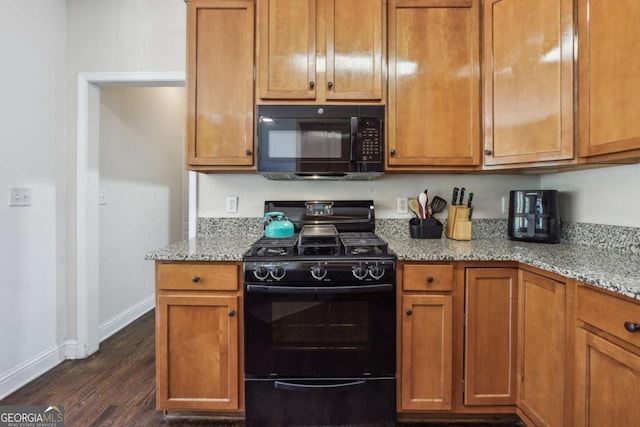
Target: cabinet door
(609, 82)
(434, 83)
(528, 81)
(354, 49)
(426, 364)
(286, 55)
(220, 84)
(197, 352)
(490, 334)
(607, 383)
(541, 327)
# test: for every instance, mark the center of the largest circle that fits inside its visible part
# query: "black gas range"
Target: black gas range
(319, 320)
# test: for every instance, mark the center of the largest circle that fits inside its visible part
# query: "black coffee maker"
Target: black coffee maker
(534, 216)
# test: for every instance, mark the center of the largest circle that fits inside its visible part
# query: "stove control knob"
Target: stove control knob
(376, 271)
(360, 272)
(318, 272)
(261, 272)
(277, 272)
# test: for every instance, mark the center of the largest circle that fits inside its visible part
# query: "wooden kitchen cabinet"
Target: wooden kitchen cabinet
(607, 359)
(490, 336)
(426, 342)
(528, 89)
(198, 340)
(608, 78)
(321, 50)
(541, 348)
(434, 85)
(220, 61)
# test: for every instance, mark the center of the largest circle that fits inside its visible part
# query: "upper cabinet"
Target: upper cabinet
(434, 85)
(321, 50)
(528, 81)
(220, 59)
(609, 77)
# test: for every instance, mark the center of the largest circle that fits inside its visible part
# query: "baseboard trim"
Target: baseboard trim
(25, 372)
(123, 319)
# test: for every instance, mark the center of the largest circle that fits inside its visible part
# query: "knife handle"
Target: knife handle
(454, 198)
(470, 200)
(462, 195)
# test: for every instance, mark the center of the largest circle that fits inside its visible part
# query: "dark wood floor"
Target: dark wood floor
(114, 387)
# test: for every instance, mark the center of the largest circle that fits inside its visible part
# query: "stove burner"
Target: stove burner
(267, 246)
(365, 243)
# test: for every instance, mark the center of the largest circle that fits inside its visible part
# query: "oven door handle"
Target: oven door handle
(267, 289)
(281, 385)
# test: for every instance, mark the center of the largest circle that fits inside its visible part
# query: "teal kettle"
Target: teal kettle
(277, 225)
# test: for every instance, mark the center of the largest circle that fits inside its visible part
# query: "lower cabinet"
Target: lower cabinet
(426, 319)
(541, 348)
(491, 296)
(198, 337)
(607, 360)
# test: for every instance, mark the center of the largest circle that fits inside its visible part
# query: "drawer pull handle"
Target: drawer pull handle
(231, 313)
(408, 312)
(429, 279)
(632, 327)
(195, 279)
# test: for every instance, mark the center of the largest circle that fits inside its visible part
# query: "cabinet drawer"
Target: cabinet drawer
(608, 313)
(197, 276)
(428, 278)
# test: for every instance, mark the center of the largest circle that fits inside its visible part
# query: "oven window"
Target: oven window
(341, 326)
(314, 334)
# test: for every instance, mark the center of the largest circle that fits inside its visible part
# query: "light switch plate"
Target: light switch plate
(20, 197)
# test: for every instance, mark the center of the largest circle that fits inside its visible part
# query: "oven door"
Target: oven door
(298, 331)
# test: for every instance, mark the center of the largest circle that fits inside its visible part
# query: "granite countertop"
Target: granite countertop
(606, 269)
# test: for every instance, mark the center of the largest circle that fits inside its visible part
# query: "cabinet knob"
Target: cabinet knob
(429, 279)
(195, 279)
(487, 152)
(231, 313)
(408, 312)
(632, 327)
(393, 152)
(330, 85)
(312, 85)
(248, 152)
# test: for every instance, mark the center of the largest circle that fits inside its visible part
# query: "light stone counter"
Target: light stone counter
(602, 266)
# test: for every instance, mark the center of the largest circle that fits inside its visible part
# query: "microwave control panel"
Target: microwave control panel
(369, 145)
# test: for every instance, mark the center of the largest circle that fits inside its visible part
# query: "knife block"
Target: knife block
(458, 223)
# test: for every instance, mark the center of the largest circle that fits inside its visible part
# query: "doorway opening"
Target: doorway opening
(88, 199)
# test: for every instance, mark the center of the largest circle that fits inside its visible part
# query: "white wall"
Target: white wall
(600, 196)
(112, 36)
(253, 190)
(32, 47)
(141, 172)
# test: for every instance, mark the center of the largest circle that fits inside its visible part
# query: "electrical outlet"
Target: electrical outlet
(505, 205)
(403, 205)
(20, 197)
(232, 204)
(102, 196)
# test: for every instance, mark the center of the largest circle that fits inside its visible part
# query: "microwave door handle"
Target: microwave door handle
(354, 139)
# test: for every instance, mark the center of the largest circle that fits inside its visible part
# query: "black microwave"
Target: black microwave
(320, 141)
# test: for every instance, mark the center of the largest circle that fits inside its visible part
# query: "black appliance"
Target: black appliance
(320, 141)
(319, 320)
(534, 216)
